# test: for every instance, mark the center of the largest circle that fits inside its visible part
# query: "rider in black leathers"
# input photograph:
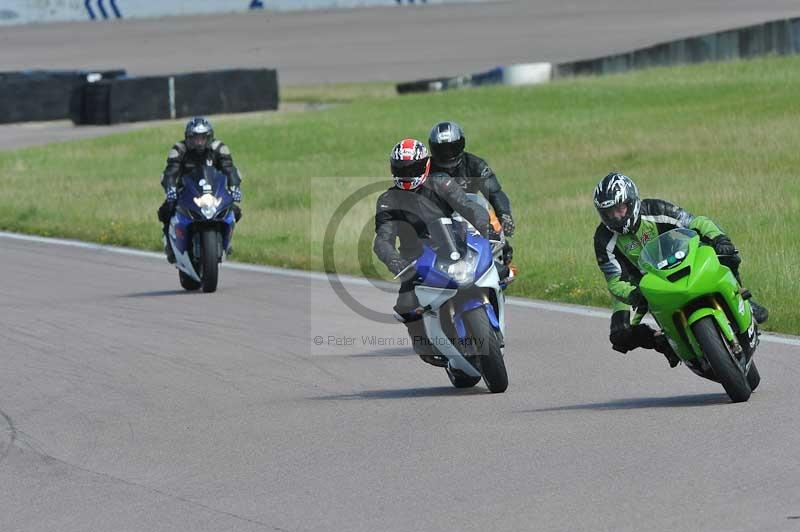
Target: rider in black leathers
(199, 148)
(447, 141)
(405, 211)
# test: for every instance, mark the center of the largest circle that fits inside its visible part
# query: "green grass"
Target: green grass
(719, 139)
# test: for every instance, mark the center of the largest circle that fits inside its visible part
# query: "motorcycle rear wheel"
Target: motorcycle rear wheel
(753, 377)
(721, 360)
(461, 380)
(187, 282)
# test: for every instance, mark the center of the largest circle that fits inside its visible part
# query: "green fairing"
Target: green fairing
(631, 246)
(709, 289)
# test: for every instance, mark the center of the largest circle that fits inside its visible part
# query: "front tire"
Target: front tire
(209, 259)
(487, 346)
(721, 360)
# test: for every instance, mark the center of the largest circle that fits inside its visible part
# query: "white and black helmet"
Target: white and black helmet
(446, 142)
(199, 134)
(613, 190)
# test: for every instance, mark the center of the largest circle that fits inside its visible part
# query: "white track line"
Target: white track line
(575, 310)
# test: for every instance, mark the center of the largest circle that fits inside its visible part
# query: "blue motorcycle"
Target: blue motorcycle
(200, 231)
(462, 302)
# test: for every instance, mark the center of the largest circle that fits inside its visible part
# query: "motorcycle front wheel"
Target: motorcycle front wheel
(486, 345)
(719, 356)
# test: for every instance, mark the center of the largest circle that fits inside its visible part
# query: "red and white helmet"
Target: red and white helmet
(410, 164)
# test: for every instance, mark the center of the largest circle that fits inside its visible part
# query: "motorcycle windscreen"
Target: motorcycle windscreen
(666, 251)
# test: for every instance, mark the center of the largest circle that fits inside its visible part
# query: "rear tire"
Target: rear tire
(753, 377)
(209, 259)
(462, 381)
(187, 282)
(720, 358)
(487, 346)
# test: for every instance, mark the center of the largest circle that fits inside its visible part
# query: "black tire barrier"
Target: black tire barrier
(37, 95)
(162, 97)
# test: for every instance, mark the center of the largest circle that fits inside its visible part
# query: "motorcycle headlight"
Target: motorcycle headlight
(462, 271)
(208, 205)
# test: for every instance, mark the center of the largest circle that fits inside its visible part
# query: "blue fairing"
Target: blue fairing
(428, 273)
(484, 249)
(204, 181)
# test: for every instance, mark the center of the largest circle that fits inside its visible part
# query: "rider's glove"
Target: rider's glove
(636, 298)
(172, 194)
(397, 265)
(236, 193)
(491, 234)
(508, 224)
(723, 245)
(729, 255)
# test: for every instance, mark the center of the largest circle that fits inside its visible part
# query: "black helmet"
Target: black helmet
(446, 142)
(615, 190)
(199, 134)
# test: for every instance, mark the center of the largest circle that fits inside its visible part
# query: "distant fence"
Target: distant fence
(41, 11)
(779, 37)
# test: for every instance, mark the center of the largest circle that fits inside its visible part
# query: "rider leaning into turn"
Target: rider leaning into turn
(447, 142)
(198, 148)
(627, 224)
(404, 212)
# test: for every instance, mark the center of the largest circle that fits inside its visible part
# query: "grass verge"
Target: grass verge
(719, 139)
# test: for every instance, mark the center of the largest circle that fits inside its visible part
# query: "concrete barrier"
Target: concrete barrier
(780, 37)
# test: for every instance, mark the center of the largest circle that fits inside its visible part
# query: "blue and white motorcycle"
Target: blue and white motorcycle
(461, 301)
(200, 231)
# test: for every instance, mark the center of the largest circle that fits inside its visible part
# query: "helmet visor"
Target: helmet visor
(198, 141)
(447, 153)
(409, 169)
(614, 217)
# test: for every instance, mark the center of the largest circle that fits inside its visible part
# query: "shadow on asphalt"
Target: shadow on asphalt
(406, 393)
(378, 353)
(679, 401)
(159, 293)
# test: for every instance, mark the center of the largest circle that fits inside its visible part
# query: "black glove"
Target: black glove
(727, 252)
(397, 265)
(508, 224)
(165, 211)
(723, 245)
(491, 234)
(636, 299)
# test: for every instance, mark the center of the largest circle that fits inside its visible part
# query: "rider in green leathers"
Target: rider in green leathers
(627, 224)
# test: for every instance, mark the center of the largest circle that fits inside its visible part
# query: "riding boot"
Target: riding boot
(422, 346)
(760, 313)
(661, 345)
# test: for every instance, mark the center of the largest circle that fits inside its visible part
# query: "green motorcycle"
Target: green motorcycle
(702, 310)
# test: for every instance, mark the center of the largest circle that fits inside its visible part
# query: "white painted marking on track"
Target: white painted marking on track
(575, 310)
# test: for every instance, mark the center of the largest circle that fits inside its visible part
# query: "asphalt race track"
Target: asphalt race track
(130, 405)
(127, 404)
(379, 44)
